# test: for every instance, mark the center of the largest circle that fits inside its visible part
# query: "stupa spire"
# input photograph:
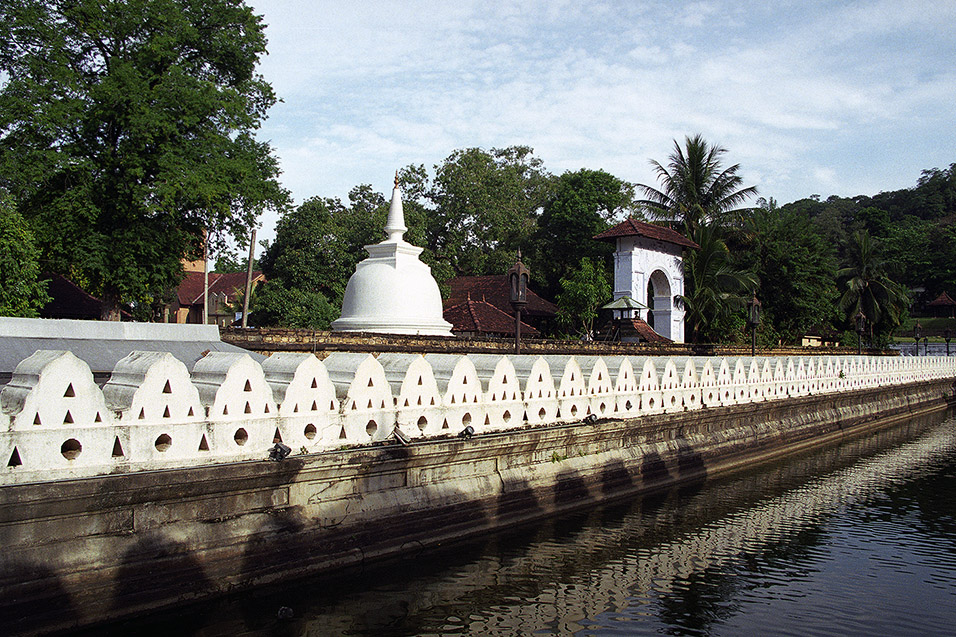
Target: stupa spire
(395, 226)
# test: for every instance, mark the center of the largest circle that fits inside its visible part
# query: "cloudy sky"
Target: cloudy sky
(809, 97)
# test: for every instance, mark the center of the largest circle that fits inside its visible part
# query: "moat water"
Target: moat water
(857, 539)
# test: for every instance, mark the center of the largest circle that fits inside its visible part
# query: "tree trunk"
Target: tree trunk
(110, 307)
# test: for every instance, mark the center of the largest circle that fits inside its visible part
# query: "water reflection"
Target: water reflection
(856, 539)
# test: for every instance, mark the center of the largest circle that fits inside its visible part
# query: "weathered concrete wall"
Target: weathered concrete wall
(80, 551)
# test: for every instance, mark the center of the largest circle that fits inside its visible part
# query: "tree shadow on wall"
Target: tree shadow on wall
(615, 478)
(37, 603)
(155, 569)
(517, 500)
(654, 470)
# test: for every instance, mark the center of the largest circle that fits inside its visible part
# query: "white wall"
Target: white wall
(55, 422)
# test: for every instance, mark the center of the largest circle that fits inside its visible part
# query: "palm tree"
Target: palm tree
(695, 188)
(867, 289)
(714, 287)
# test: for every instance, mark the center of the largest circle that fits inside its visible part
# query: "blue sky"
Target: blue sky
(808, 97)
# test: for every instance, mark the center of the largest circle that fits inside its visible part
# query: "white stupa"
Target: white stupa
(392, 291)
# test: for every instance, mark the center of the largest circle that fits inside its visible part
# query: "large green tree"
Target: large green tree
(796, 268)
(483, 206)
(582, 204)
(127, 131)
(703, 197)
(696, 189)
(21, 291)
(583, 291)
(316, 248)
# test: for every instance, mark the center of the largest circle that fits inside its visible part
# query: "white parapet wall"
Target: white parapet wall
(154, 413)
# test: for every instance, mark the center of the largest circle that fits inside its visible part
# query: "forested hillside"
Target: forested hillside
(915, 226)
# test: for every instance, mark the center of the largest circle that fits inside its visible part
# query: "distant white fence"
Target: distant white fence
(154, 413)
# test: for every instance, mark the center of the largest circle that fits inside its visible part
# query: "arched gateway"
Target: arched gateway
(649, 268)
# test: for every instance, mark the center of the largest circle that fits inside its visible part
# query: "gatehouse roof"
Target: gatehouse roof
(633, 228)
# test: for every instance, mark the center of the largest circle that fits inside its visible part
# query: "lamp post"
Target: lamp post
(917, 333)
(518, 277)
(947, 335)
(860, 320)
(753, 320)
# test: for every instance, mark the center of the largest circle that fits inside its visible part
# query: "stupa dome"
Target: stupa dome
(392, 291)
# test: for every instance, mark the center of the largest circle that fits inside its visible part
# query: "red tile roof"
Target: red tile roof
(635, 228)
(231, 283)
(494, 289)
(942, 299)
(481, 317)
(647, 333)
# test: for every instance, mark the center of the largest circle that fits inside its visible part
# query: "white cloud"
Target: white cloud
(791, 89)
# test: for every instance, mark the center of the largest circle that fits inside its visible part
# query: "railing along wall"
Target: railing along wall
(154, 413)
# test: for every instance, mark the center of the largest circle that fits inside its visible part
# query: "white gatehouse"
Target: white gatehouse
(649, 268)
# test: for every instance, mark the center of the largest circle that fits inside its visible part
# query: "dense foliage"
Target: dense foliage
(795, 267)
(714, 288)
(126, 131)
(584, 290)
(21, 291)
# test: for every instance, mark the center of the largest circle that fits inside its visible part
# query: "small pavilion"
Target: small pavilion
(943, 305)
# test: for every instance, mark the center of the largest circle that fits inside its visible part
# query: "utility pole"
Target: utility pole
(245, 299)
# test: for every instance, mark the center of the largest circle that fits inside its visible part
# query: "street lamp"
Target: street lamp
(917, 333)
(518, 277)
(753, 320)
(860, 320)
